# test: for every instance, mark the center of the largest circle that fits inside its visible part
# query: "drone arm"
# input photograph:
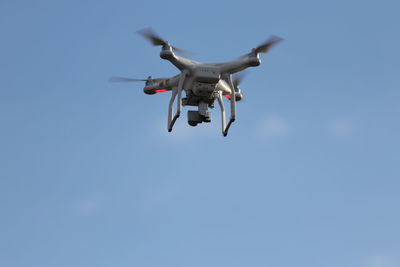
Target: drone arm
(179, 62)
(240, 63)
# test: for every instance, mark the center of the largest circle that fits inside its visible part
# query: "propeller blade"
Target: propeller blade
(124, 79)
(238, 78)
(183, 52)
(267, 45)
(156, 40)
(150, 35)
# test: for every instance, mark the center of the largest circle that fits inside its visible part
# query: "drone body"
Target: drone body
(203, 83)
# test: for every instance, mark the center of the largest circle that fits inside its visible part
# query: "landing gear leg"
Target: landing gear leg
(175, 92)
(225, 129)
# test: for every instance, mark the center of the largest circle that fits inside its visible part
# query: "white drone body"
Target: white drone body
(203, 83)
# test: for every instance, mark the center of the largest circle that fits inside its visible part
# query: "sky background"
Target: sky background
(308, 175)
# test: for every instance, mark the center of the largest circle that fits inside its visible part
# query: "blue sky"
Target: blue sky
(308, 176)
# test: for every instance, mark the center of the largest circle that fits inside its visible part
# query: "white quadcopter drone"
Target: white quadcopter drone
(203, 83)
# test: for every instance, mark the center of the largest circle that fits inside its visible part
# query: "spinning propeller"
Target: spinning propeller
(156, 40)
(117, 79)
(267, 45)
(149, 82)
(238, 78)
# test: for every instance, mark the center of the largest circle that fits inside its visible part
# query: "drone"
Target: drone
(203, 83)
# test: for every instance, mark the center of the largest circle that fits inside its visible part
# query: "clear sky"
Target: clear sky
(308, 175)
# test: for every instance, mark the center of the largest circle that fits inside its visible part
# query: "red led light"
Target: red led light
(161, 90)
(228, 96)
